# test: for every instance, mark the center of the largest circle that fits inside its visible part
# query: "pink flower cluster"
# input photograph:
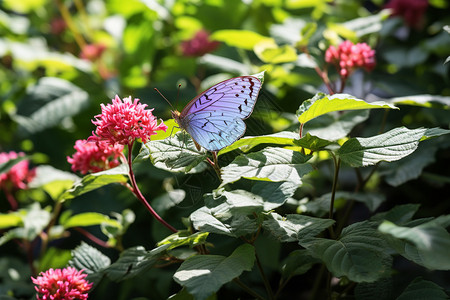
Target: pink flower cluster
(412, 11)
(65, 284)
(93, 157)
(19, 175)
(122, 122)
(199, 45)
(348, 57)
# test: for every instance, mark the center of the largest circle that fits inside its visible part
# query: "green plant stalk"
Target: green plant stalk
(265, 280)
(141, 197)
(247, 289)
(337, 163)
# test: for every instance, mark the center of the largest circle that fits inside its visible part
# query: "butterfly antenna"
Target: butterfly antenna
(178, 94)
(164, 98)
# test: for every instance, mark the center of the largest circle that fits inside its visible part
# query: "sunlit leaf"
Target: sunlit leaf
(322, 104)
(423, 100)
(97, 180)
(269, 52)
(390, 146)
(89, 219)
(91, 260)
(184, 238)
(244, 39)
(176, 154)
(269, 164)
(203, 275)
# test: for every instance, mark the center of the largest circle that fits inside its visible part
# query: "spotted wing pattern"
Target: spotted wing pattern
(214, 119)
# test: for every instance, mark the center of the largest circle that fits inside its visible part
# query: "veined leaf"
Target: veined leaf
(89, 259)
(48, 103)
(243, 39)
(426, 244)
(400, 214)
(202, 275)
(175, 154)
(134, 261)
(269, 164)
(294, 227)
(90, 219)
(322, 104)
(313, 143)
(423, 100)
(423, 289)
(274, 194)
(184, 238)
(358, 254)
(246, 143)
(53, 181)
(390, 146)
(298, 262)
(269, 52)
(96, 180)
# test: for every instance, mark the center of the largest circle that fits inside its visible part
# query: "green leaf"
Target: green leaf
(175, 154)
(274, 194)
(134, 261)
(423, 289)
(246, 143)
(390, 146)
(358, 254)
(399, 214)
(321, 205)
(10, 220)
(53, 181)
(243, 39)
(7, 165)
(269, 164)
(426, 244)
(322, 104)
(49, 102)
(411, 167)
(269, 52)
(184, 238)
(335, 125)
(89, 259)
(367, 25)
(89, 219)
(94, 181)
(313, 143)
(425, 100)
(291, 228)
(202, 275)
(380, 289)
(298, 262)
(226, 213)
(224, 64)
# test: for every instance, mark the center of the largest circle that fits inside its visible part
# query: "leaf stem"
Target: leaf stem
(247, 289)
(92, 237)
(69, 21)
(139, 195)
(265, 280)
(337, 163)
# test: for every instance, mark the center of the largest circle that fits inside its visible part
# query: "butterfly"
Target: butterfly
(214, 119)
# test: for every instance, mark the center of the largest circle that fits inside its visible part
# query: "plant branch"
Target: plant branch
(247, 289)
(69, 21)
(337, 163)
(141, 197)
(92, 237)
(265, 280)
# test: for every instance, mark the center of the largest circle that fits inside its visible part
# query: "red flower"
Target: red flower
(348, 57)
(19, 175)
(95, 157)
(92, 52)
(199, 45)
(123, 122)
(412, 11)
(65, 284)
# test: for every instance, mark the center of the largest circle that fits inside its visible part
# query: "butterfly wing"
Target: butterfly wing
(214, 119)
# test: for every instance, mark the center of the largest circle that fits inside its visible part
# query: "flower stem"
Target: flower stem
(139, 195)
(92, 237)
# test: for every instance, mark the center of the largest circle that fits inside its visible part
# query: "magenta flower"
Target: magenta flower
(65, 284)
(92, 52)
(124, 121)
(412, 11)
(199, 45)
(348, 56)
(93, 157)
(19, 175)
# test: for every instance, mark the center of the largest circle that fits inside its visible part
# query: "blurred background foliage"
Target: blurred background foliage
(59, 60)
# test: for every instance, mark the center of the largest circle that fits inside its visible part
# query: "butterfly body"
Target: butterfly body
(214, 119)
